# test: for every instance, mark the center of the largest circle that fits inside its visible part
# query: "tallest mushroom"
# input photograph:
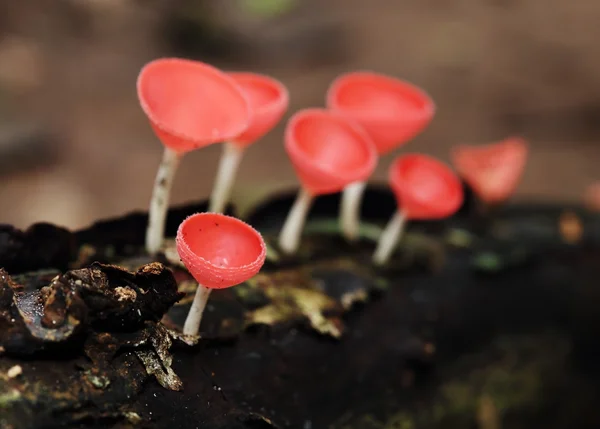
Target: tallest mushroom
(390, 110)
(190, 105)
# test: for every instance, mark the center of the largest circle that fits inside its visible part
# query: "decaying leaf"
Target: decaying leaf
(319, 294)
(156, 366)
(291, 303)
(158, 360)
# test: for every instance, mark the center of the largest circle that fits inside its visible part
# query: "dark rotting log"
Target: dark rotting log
(464, 329)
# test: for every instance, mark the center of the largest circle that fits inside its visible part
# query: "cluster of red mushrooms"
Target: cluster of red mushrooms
(191, 105)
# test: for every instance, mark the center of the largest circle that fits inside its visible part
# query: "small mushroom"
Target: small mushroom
(190, 105)
(392, 112)
(219, 251)
(268, 100)
(426, 189)
(492, 170)
(328, 152)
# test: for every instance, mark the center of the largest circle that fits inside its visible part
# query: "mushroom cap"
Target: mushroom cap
(191, 104)
(492, 170)
(268, 98)
(220, 251)
(426, 188)
(328, 150)
(391, 110)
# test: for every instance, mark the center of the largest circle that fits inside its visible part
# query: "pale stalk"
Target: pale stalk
(228, 166)
(389, 239)
(194, 317)
(350, 210)
(289, 237)
(157, 215)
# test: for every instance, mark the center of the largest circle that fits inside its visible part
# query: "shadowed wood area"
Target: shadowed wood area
(495, 328)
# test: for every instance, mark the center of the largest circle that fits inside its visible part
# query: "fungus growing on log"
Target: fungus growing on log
(328, 152)
(426, 189)
(190, 105)
(219, 251)
(391, 111)
(268, 100)
(492, 170)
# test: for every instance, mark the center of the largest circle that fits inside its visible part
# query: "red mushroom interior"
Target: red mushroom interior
(192, 100)
(260, 91)
(268, 101)
(377, 96)
(221, 241)
(218, 250)
(328, 151)
(392, 111)
(425, 187)
(329, 144)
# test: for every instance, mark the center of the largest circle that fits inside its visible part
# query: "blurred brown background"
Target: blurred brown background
(75, 146)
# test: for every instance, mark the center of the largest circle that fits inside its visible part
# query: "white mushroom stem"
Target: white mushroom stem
(194, 317)
(289, 237)
(159, 203)
(389, 239)
(228, 166)
(350, 210)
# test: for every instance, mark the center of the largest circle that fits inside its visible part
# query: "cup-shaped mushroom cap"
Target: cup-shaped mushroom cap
(391, 110)
(328, 150)
(220, 251)
(492, 170)
(191, 104)
(268, 100)
(426, 188)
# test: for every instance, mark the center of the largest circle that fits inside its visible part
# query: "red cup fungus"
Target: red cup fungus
(328, 152)
(392, 112)
(426, 189)
(492, 170)
(268, 99)
(189, 105)
(219, 251)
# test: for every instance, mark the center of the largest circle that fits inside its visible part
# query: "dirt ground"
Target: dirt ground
(494, 68)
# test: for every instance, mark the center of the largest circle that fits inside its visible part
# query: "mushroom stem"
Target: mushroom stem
(160, 200)
(289, 237)
(228, 166)
(350, 209)
(194, 317)
(389, 238)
